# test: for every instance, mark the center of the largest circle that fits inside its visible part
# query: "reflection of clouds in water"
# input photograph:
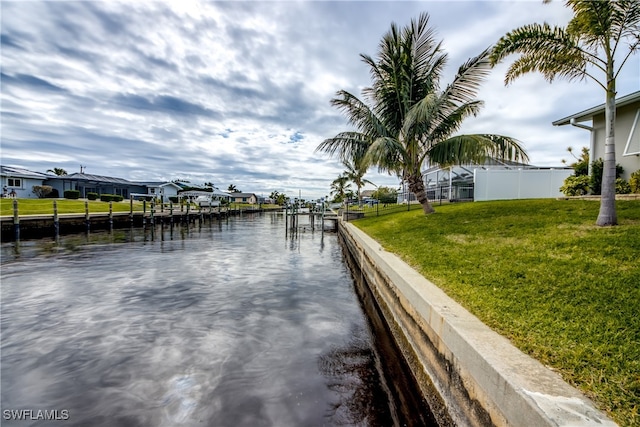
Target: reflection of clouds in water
(224, 330)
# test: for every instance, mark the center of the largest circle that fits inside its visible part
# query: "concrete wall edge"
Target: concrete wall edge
(476, 365)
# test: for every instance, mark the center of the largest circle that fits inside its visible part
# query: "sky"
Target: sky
(238, 93)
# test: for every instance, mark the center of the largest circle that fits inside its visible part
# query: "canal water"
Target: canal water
(230, 323)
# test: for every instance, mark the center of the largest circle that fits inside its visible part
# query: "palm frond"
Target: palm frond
(470, 76)
(387, 153)
(550, 51)
(347, 145)
(462, 149)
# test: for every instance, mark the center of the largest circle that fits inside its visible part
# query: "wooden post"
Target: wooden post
(56, 222)
(86, 215)
(171, 212)
(131, 210)
(110, 216)
(16, 219)
(188, 210)
(153, 211)
(144, 213)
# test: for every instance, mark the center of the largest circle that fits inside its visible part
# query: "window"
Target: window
(14, 182)
(633, 143)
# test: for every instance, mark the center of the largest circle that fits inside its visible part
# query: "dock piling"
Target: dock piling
(110, 216)
(87, 218)
(56, 221)
(16, 219)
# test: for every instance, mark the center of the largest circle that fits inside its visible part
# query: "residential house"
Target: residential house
(18, 182)
(162, 190)
(627, 131)
(87, 183)
(243, 198)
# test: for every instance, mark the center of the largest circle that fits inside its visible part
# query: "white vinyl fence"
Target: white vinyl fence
(492, 184)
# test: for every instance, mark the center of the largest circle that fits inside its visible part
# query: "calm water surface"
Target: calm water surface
(228, 324)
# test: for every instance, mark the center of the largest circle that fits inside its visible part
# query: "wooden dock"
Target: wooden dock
(45, 225)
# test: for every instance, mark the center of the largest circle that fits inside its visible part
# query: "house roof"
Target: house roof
(95, 178)
(242, 194)
(159, 184)
(22, 173)
(588, 114)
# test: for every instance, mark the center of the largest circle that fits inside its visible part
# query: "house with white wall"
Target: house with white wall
(162, 190)
(627, 131)
(19, 182)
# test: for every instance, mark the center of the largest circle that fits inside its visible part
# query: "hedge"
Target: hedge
(71, 194)
(111, 198)
(92, 196)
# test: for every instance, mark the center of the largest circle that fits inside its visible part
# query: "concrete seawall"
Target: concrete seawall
(469, 374)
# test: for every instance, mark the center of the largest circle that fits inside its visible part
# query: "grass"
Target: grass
(542, 274)
(45, 206)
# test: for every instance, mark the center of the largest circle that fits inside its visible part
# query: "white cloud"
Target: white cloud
(238, 92)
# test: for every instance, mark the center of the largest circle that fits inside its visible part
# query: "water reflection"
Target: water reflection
(219, 324)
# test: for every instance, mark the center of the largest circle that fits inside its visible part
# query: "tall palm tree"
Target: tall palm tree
(408, 120)
(589, 43)
(340, 187)
(355, 173)
(57, 171)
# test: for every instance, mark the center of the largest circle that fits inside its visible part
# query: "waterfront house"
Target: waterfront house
(88, 183)
(627, 131)
(243, 198)
(19, 182)
(162, 190)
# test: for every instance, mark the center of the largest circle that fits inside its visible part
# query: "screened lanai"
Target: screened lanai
(455, 183)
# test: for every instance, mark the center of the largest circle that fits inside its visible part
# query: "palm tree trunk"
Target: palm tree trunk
(607, 214)
(416, 186)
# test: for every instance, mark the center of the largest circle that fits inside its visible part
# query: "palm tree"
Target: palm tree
(57, 171)
(340, 187)
(355, 173)
(232, 189)
(589, 43)
(408, 120)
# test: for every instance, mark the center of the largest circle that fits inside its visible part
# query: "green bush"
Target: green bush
(634, 182)
(622, 186)
(596, 175)
(576, 185)
(71, 194)
(111, 198)
(173, 199)
(92, 196)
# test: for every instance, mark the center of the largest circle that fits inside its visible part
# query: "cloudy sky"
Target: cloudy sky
(238, 92)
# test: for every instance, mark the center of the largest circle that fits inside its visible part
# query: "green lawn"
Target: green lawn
(542, 274)
(45, 206)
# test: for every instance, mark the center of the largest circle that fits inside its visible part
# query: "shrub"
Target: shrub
(54, 194)
(71, 194)
(575, 185)
(111, 198)
(634, 182)
(92, 196)
(41, 191)
(596, 175)
(173, 199)
(622, 186)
